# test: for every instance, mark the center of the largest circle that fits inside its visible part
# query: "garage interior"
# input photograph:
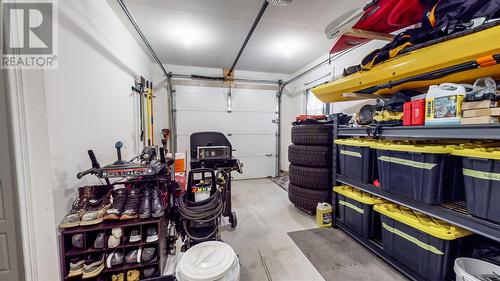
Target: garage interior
(250, 140)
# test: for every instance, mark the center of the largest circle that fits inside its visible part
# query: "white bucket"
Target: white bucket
(468, 269)
(201, 195)
(209, 261)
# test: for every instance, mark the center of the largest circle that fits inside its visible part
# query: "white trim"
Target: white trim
(17, 111)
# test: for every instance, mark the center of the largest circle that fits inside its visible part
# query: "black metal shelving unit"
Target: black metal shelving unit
(453, 213)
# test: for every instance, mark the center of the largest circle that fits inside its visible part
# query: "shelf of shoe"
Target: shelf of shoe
(75, 252)
(128, 266)
(109, 225)
(139, 244)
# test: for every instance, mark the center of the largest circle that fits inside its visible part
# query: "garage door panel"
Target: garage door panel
(257, 145)
(266, 167)
(235, 123)
(200, 98)
(251, 100)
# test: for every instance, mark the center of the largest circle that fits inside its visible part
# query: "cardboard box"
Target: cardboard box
(479, 104)
(481, 112)
(479, 120)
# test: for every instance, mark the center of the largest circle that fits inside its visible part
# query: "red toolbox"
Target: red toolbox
(407, 113)
(418, 112)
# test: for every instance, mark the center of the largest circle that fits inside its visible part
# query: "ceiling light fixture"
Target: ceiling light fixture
(279, 3)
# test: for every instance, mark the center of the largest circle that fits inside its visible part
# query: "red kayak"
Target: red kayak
(384, 16)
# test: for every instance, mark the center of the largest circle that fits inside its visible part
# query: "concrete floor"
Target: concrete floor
(266, 252)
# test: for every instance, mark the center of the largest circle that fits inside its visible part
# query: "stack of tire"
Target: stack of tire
(310, 171)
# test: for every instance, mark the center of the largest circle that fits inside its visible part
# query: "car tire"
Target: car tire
(312, 134)
(307, 199)
(310, 156)
(309, 177)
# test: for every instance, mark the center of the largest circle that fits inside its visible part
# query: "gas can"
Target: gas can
(324, 215)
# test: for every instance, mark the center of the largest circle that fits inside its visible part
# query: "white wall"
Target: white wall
(86, 103)
(294, 100)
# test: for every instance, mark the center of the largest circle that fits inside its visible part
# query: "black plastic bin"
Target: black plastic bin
(427, 245)
(425, 173)
(357, 160)
(481, 175)
(356, 209)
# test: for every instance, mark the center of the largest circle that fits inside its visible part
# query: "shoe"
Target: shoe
(135, 236)
(114, 259)
(150, 272)
(149, 255)
(97, 206)
(93, 266)
(115, 238)
(76, 267)
(73, 217)
(132, 206)
(152, 235)
(118, 277)
(77, 240)
(145, 207)
(119, 200)
(157, 209)
(133, 275)
(100, 241)
(134, 256)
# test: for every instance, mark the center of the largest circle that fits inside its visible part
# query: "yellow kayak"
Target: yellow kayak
(459, 60)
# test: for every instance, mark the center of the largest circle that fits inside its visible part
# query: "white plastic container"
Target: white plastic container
(209, 261)
(468, 269)
(201, 191)
(443, 104)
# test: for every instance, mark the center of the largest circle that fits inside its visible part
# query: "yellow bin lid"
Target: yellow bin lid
(422, 222)
(355, 142)
(478, 152)
(419, 148)
(358, 195)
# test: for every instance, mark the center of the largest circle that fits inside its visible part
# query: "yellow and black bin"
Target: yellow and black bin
(356, 210)
(422, 172)
(481, 171)
(356, 160)
(425, 244)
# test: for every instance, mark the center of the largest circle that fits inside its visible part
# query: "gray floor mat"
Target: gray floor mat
(336, 256)
(282, 181)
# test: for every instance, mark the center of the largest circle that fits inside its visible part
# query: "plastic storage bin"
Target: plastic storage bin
(420, 172)
(356, 209)
(427, 245)
(357, 161)
(481, 171)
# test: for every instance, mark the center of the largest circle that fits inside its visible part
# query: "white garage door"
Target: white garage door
(249, 127)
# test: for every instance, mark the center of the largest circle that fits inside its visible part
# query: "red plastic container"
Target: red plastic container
(407, 113)
(418, 112)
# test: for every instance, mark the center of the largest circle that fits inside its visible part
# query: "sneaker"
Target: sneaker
(114, 259)
(133, 275)
(132, 206)
(97, 207)
(77, 240)
(152, 235)
(76, 267)
(116, 209)
(133, 256)
(118, 277)
(149, 255)
(115, 238)
(157, 209)
(135, 236)
(150, 272)
(73, 217)
(93, 266)
(145, 207)
(100, 241)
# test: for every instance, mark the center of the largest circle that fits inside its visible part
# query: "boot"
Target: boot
(131, 210)
(119, 200)
(145, 208)
(74, 216)
(97, 206)
(157, 209)
(117, 277)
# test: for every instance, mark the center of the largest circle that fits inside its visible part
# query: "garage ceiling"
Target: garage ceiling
(209, 33)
